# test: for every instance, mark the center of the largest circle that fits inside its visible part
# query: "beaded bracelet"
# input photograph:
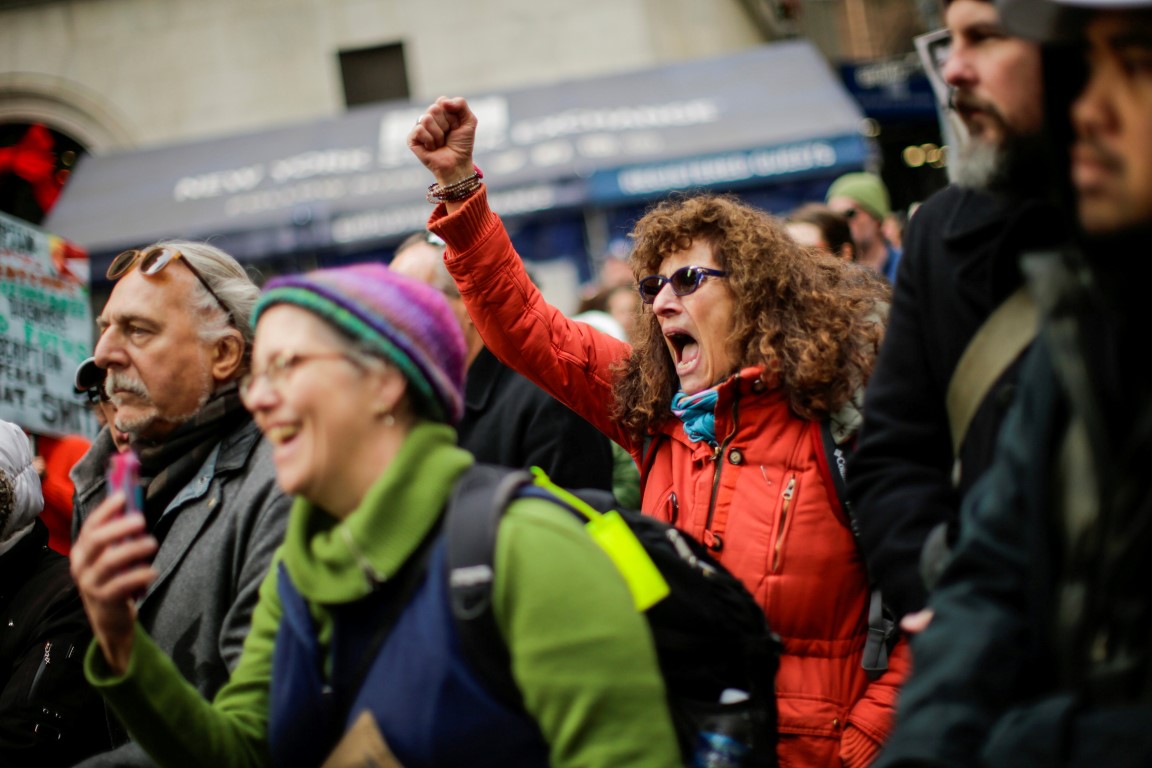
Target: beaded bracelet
(457, 190)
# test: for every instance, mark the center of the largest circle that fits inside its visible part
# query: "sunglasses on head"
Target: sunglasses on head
(683, 281)
(152, 261)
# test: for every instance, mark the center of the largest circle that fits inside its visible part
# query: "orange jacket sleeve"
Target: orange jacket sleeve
(873, 715)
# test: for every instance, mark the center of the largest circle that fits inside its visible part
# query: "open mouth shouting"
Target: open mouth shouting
(700, 362)
(685, 351)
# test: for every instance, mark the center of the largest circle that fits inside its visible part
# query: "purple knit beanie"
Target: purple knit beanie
(406, 321)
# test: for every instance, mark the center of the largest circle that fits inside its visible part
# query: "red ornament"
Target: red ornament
(32, 159)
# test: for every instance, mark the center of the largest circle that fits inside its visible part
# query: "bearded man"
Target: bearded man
(175, 339)
(959, 265)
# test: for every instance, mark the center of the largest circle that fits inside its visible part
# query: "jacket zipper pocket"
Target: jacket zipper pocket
(40, 670)
(713, 540)
(789, 492)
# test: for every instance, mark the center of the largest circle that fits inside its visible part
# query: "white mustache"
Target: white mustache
(118, 382)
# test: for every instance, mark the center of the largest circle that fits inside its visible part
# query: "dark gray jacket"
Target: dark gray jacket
(228, 521)
(1040, 652)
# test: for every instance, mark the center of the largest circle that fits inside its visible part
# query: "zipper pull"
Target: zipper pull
(40, 670)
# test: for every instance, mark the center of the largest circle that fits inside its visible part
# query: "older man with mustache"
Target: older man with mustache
(175, 339)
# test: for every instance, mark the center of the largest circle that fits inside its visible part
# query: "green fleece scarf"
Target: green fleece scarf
(335, 561)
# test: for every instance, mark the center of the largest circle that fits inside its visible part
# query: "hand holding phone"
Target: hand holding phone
(124, 476)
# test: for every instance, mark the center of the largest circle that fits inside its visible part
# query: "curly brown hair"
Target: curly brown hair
(814, 322)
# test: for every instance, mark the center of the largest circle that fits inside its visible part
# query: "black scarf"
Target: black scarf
(168, 466)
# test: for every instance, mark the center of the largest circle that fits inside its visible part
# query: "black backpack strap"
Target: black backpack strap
(473, 518)
(882, 629)
(837, 458)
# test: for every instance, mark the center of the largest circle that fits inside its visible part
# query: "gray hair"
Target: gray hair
(232, 284)
(440, 278)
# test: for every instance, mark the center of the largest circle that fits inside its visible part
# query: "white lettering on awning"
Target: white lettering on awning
(325, 162)
(374, 225)
(727, 168)
(218, 183)
(576, 121)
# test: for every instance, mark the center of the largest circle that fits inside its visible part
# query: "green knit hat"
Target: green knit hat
(866, 189)
(405, 320)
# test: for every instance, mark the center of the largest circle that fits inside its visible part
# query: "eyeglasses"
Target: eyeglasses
(154, 260)
(280, 367)
(684, 281)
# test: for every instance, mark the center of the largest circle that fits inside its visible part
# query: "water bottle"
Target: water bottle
(725, 740)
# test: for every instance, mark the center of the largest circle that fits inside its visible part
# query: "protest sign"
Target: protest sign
(45, 330)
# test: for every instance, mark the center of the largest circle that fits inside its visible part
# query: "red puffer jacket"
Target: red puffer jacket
(763, 500)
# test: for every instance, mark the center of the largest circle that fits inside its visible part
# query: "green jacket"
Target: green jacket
(581, 654)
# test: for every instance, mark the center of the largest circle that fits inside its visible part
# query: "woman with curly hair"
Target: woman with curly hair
(750, 344)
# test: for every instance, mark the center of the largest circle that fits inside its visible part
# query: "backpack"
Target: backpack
(710, 634)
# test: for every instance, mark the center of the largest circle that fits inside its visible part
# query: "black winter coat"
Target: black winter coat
(959, 264)
(511, 422)
(49, 715)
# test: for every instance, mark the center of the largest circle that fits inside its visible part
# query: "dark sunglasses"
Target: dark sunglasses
(684, 281)
(154, 260)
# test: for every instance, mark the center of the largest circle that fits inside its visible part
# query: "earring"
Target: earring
(388, 418)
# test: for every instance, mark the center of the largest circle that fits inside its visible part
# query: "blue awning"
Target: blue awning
(768, 114)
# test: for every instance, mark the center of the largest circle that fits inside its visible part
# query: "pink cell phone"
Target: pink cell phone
(124, 475)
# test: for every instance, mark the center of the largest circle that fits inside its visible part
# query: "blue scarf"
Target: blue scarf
(698, 412)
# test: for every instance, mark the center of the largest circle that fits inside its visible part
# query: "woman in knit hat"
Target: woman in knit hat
(356, 381)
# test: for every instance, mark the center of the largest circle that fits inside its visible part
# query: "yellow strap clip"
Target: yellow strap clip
(612, 534)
